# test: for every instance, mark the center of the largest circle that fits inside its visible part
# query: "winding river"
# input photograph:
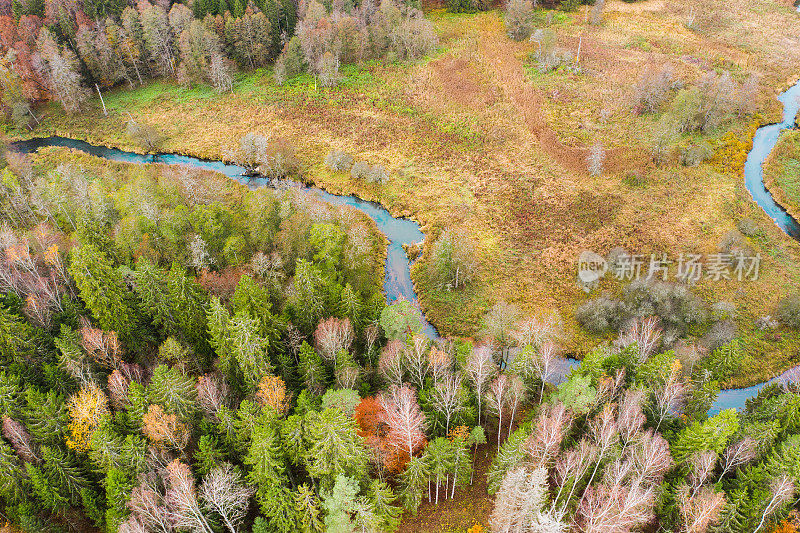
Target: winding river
(399, 231)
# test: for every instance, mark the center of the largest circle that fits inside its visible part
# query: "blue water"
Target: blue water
(763, 142)
(397, 280)
(398, 231)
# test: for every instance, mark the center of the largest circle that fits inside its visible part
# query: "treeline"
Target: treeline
(63, 51)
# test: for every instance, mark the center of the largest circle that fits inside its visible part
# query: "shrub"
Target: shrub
(720, 333)
(723, 311)
(519, 19)
(570, 5)
(673, 303)
(696, 153)
(748, 227)
(368, 173)
(653, 88)
(595, 159)
(600, 314)
(633, 178)
(339, 160)
(558, 57)
(789, 311)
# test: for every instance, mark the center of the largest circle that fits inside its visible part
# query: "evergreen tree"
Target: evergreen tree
(333, 447)
(339, 503)
(413, 480)
(102, 290)
(312, 370)
(307, 507)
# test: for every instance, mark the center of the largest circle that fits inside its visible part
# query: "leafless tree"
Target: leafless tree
(118, 389)
(224, 491)
(651, 457)
(416, 360)
(181, 498)
(20, 439)
(391, 364)
(517, 392)
(669, 395)
(519, 500)
(498, 398)
(403, 417)
(615, 509)
(103, 346)
(782, 490)
(332, 336)
(212, 393)
(701, 510)
(737, 454)
(630, 418)
(446, 397)
(346, 376)
(603, 429)
(440, 363)
(480, 368)
(701, 465)
(545, 364)
(221, 73)
(149, 512)
(551, 426)
(536, 331)
(645, 333)
(199, 258)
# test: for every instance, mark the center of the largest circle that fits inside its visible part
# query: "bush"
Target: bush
(519, 19)
(633, 179)
(723, 311)
(696, 153)
(600, 315)
(368, 173)
(789, 311)
(339, 160)
(467, 6)
(570, 5)
(673, 303)
(748, 227)
(720, 333)
(652, 88)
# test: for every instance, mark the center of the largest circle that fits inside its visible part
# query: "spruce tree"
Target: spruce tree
(102, 290)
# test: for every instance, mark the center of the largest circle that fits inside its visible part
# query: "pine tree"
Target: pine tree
(413, 481)
(45, 415)
(307, 507)
(338, 504)
(382, 499)
(350, 307)
(266, 459)
(713, 434)
(333, 447)
(207, 455)
(174, 391)
(312, 370)
(102, 290)
(16, 336)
